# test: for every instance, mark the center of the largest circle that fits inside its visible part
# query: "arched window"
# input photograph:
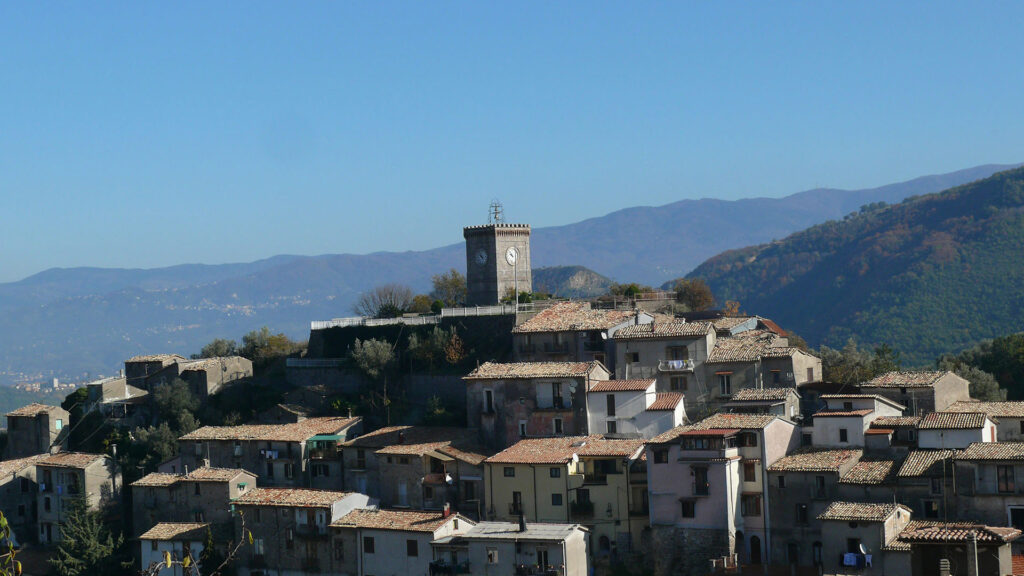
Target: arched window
(816, 553)
(755, 549)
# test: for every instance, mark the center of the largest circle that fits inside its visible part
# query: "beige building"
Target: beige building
(1008, 416)
(920, 392)
(672, 352)
(66, 476)
(18, 491)
(573, 332)
(371, 542)
(863, 538)
(35, 429)
(201, 495)
(509, 402)
(514, 549)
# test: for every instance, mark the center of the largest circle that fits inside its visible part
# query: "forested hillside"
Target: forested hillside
(933, 273)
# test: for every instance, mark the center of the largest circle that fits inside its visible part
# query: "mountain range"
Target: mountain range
(935, 273)
(81, 322)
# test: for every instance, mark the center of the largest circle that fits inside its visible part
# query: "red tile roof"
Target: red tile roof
(561, 449)
(34, 409)
(292, 432)
(18, 464)
(905, 379)
(573, 316)
(993, 409)
(993, 451)
(860, 512)
(290, 497)
(631, 385)
(871, 472)
(815, 460)
(402, 520)
(508, 371)
(664, 330)
(71, 460)
(666, 401)
(952, 420)
(926, 531)
(843, 413)
(176, 531)
(921, 462)
(896, 421)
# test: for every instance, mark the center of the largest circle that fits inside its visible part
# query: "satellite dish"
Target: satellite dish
(863, 550)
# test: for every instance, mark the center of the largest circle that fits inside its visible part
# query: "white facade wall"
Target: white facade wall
(958, 439)
(176, 548)
(631, 414)
(391, 549)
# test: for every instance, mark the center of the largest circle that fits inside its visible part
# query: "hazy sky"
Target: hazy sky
(148, 134)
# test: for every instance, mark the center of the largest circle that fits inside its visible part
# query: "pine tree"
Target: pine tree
(87, 547)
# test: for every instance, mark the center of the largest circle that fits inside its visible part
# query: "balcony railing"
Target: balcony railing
(593, 346)
(442, 567)
(556, 348)
(701, 488)
(536, 570)
(675, 365)
(584, 509)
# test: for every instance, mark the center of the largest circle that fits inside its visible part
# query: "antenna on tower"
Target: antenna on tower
(496, 213)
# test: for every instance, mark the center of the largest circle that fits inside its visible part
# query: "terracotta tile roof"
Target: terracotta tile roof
(71, 460)
(763, 394)
(165, 358)
(597, 446)
(878, 431)
(952, 420)
(930, 531)
(632, 385)
(290, 497)
(744, 347)
(176, 531)
(207, 474)
(815, 460)
(921, 462)
(157, 479)
(291, 432)
(540, 451)
(18, 464)
(496, 370)
(781, 352)
(993, 451)
(726, 323)
(1018, 564)
(872, 472)
(993, 409)
(466, 452)
(730, 420)
(403, 520)
(33, 410)
(905, 380)
(664, 330)
(209, 363)
(843, 413)
(714, 432)
(573, 316)
(896, 421)
(473, 456)
(860, 512)
(669, 436)
(458, 443)
(665, 401)
(877, 397)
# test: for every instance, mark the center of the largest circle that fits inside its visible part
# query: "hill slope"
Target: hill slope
(931, 274)
(570, 282)
(65, 322)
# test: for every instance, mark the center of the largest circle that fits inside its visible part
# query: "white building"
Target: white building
(509, 548)
(942, 430)
(633, 407)
(847, 416)
(180, 539)
(395, 541)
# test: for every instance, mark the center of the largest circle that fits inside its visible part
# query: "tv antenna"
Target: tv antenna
(496, 213)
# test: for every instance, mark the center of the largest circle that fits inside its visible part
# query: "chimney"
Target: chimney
(972, 553)
(522, 523)
(447, 510)
(401, 437)
(206, 462)
(349, 411)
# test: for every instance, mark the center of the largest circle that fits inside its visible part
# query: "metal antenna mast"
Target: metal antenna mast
(496, 213)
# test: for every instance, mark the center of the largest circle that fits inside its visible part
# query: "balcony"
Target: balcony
(583, 509)
(443, 567)
(536, 570)
(593, 346)
(311, 530)
(675, 365)
(325, 453)
(556, 347)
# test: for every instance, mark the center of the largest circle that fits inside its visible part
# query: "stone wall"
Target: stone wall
(687, 550)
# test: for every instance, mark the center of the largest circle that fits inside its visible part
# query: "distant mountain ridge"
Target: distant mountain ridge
(933, 274)
(66, 322)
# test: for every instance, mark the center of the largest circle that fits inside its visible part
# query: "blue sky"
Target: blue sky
(149, 134)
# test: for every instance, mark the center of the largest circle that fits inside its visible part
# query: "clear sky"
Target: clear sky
(150, 133)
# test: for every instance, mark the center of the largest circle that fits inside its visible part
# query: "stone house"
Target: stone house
(801, 486)
(1008, 416)
(925, 483)
(941, 430)
(707, 489)
(847, 417)
(179, 539)
(281, 454)
(974, 548)
(422, 467)
(509, 402)
(18, 491)
(204, 376)
(290, 528)
(392, 541)
(633, 407)
(920, 392)
(115, 399)
(673, 353)
(902, 429)
(201, 495)
(872, 479)
(987, 488)
(147, 369)
(514, 549)
(783, 402)
(65, 476)
(572, 332)
(34, 429)
(859, 537)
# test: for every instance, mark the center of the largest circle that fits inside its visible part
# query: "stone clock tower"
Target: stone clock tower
(497, 260)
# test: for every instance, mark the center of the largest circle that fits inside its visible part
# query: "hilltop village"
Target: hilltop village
(611, 437)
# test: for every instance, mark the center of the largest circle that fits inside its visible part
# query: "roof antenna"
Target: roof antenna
(496, 212)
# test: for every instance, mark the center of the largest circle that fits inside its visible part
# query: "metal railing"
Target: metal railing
(675, 365)
(495, 310)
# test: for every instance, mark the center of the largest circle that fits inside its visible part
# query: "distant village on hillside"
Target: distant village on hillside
(503, 434)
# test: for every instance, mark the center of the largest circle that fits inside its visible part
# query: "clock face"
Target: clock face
(481, 257)
(511, 255)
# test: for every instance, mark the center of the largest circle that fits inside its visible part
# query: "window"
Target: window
(700, 481)
(360, 459)
(847, 405)
(339, 550)
(556, 395)
(367, 544)
(610, 404)
(59, 424)
(677, 383)
(257, 515)
(257, 547)
(801, 514)
(661, 456)
(198, 516)
(931, 508)
(725, 383)
(509, 472)
(748, 439)
(632, 357)
(843, 435)
(522, 428)
(611, 427)
(556, 499)
(46, 504)
(810, 374)
(1005, 476)
(153, 545)
(270, 469)
(806, 440)
(819, 486)
(489, 401)
(24, 485)
(782, 481)
(688, 508)
(196, 490)
(289, 539)
(428, 492)
(1017, 517)
(751, 504)
(749, 472)
(289, 470)
(557, 425)
(492, 555)
(412, 548)
(776, 376)
(936, 485)
(853, 545)
(555, 472)
(517, 503)
(403, 460)
(198, 447)
(469, 489)
(816, 553)
(1022, 426)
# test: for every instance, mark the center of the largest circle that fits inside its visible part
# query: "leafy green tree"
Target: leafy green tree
(153, 445)
(984, 386)
(430, 347)
(373, 357)
(449, 288)
(437, 414)
(421, 304)
(176, 404)
(88, 547)
(262, 346)
(630, 290)
(695, 294)
(854, 365)
(210, 558)
(217, 348)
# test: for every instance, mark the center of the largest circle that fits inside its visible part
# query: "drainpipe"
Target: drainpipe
(767, 509)
(536, 510)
